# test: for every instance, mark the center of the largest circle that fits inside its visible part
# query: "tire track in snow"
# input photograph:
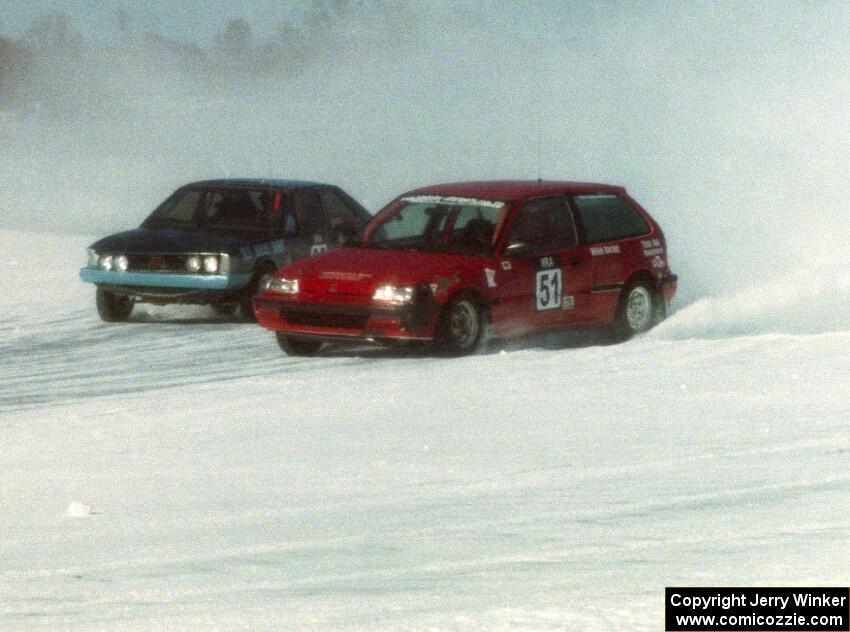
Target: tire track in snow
(75, 356)
(56, 358)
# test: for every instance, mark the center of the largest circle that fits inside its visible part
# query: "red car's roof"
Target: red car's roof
(513, 189)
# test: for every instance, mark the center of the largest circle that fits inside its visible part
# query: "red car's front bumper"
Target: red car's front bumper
(352, 321)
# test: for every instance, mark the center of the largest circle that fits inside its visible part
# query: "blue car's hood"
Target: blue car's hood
(171, 240)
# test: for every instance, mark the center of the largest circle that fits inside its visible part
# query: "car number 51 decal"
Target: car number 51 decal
(549, 288)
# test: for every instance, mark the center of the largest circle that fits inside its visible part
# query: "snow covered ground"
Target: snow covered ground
(221, 485)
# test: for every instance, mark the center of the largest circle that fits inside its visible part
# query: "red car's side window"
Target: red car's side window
(545, 224)
(608, 217)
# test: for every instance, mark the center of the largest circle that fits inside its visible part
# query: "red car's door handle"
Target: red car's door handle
(575, 261)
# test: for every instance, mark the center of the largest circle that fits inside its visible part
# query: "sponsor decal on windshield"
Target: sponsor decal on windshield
(451, 200)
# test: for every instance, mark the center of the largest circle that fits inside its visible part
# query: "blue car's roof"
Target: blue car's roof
(254, 182)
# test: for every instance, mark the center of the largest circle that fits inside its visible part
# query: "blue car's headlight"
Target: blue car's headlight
(120, 263)
(193, 263)
(211, 264)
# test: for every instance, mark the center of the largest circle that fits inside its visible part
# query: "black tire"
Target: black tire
(637, 312)
(112, 308)
(461, 326)
(246, 305)
(224, 309)
(297, 347)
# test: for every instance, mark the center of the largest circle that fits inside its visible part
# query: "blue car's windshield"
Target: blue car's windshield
(214, 209)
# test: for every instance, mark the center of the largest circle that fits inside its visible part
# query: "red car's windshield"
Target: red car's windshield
(434, 223)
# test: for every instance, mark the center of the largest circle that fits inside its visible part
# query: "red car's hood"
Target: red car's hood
(358, 271)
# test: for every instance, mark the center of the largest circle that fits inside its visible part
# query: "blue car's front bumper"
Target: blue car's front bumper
(231, 281)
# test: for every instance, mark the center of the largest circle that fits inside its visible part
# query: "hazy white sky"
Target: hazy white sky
(195, 20)
(722, 118)
(199, 20)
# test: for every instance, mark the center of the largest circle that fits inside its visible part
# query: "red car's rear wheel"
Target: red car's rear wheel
(637, 312)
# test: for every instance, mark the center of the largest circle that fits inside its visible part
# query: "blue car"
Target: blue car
(217, 242)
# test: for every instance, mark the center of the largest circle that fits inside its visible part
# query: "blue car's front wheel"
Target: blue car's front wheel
(259, 281)
(112, 308)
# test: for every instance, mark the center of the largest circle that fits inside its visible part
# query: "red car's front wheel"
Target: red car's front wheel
(461, 326)
(296, 347)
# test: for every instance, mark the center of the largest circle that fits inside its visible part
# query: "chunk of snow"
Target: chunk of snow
(78, 510)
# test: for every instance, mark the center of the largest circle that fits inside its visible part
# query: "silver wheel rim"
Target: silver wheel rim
(463, 324)
(639, 309)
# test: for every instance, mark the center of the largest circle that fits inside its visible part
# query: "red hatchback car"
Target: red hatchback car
(451, 262)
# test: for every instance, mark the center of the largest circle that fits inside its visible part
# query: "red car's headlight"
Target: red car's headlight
(283, 285)
(394, 295)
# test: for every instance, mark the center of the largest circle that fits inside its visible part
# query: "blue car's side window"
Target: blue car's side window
(308, 211)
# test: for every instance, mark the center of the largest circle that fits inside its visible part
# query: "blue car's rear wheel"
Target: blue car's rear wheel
(224, 309)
